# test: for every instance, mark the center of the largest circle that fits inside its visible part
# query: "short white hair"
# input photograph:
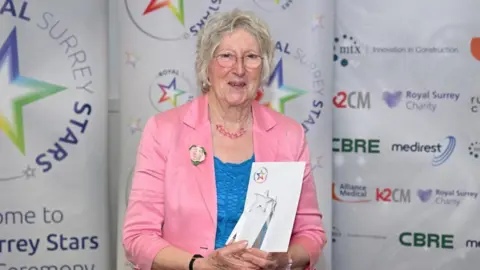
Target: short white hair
(212, 33)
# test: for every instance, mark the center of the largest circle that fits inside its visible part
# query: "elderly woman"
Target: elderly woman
(194, 162)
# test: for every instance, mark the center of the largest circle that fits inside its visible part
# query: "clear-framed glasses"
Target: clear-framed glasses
(228, 60)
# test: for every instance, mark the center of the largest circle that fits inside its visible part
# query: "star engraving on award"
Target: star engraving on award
(263, 201)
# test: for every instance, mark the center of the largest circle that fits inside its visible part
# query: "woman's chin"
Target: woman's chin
(236, 101)
(236, 98)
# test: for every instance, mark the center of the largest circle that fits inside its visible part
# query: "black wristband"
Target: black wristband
(196, 256)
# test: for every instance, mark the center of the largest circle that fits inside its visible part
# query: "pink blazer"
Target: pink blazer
(172, 202)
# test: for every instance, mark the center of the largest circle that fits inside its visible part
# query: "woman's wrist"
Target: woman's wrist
(289, 262)
(298, 257)
(200, 264)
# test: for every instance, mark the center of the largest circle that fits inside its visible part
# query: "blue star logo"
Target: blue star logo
(170, 92)
(17, 91)
(261, 175)
(281, 93)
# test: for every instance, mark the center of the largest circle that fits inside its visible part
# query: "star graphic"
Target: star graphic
(18, 92)
(260, 175)
(29, 172)
(170, 94)
(135, 125)
(177, 10)
(317, 22)
(277, 2)
(132, 59)
(280, 92)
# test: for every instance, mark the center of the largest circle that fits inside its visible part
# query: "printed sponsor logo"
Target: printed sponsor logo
(441, 151)
(474, 150)
(446, 197)
(475, 104)
(348, 193)
(352, 100)
(356, 145)
(348, 50)
(419, 100)
(396, 195)
(345, 48)
(472, 243)
(426, 240)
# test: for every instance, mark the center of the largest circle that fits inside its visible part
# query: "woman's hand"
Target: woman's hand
(266, 260)
(228, 257)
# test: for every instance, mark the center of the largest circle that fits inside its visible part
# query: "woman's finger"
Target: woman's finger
(233, 248)
(261, 262)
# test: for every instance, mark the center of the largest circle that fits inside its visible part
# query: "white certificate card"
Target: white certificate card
(270, 206)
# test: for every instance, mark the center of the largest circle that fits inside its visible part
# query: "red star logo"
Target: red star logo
(165, 96)
(155, 5)
(171, 95)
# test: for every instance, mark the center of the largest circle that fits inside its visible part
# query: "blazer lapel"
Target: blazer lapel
(197, 119)
(264, 143)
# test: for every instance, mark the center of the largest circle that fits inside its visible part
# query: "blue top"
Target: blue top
(232, 185)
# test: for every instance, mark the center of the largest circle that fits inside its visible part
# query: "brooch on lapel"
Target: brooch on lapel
(197, 154)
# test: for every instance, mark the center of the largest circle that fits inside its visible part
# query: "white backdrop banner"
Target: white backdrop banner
(158, 48)
(407, 138)
(53, 96)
